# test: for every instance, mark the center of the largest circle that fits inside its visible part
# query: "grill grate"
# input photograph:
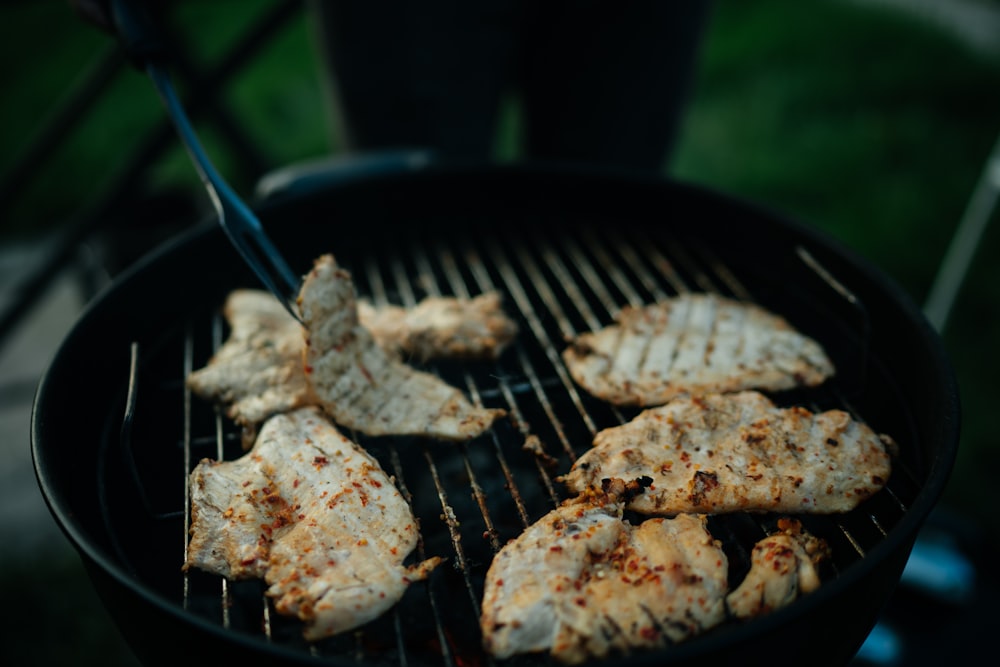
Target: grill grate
(470, 498)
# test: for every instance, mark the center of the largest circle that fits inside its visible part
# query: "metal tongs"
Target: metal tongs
(237, 219)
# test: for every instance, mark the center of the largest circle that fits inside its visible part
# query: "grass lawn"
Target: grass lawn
(868, 124)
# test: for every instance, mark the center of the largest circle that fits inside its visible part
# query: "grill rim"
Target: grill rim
(104, 569)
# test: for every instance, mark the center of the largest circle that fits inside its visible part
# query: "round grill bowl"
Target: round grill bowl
(563, 244)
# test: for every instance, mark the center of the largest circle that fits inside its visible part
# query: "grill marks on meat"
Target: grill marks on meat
(693, 344)
(783, 568)
(313, 515)
(739, 452)
(582, 583)
(362, 386)
(442, 327)
(257, 372)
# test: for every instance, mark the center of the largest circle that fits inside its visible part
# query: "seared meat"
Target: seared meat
(783, 567)
(315, 516)
(257, 372)
(442, 327)
(363, 387)
(583, 583)
(693, 344)
(739, 452)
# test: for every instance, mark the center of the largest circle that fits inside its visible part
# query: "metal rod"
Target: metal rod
(516, 289)
(964, 243)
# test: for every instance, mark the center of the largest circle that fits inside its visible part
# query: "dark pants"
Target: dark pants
(596, 80)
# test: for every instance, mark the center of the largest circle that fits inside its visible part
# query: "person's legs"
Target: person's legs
(417, 73)
(607, 81)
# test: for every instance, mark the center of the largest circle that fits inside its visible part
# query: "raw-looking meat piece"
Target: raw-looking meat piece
(362, 386)
(441, 327)
(693, 344)
(312, 514)
(583, 583)
(739, 452)
(783, 567)
(257, 371)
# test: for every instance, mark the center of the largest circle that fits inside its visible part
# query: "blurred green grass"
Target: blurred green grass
(874, 126)
(867, 123)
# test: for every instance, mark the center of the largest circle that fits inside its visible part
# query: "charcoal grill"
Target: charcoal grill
(115, 431)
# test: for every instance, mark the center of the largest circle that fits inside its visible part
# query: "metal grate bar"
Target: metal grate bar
(460, 289)
(430, 284)
(380, 297)
(217, 333)
(659, 261)
(632, 258)
(612, 270)
(558, 289)
(451, 520)
(515, 288)
(475, 264)
(397, 469)
(721, 271)
(186, 370)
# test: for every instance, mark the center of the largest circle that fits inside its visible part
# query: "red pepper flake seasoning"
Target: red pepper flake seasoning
(320, 461)
(366, 373)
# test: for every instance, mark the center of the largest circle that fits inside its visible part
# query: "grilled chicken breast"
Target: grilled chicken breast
(361, 385)
(257, 372)
(739, 452)
(582, 583)
(313, 515)
(783, 567)
(442, 327)
(693, 344)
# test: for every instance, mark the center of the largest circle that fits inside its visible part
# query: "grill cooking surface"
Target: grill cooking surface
(471, 498)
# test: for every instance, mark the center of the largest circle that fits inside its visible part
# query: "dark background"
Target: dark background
(872, 120)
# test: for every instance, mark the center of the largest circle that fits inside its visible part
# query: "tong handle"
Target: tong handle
(143, 45)
(238, 221)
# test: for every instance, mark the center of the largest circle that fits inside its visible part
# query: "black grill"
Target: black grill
(567, 246)
(471, 498)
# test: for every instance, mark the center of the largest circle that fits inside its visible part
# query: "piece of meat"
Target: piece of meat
(739, 452)
(362, 386)
(257, 371)
(693, 344)
(582, 583)
(312, 514)
(783, 567)
(441, 327)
